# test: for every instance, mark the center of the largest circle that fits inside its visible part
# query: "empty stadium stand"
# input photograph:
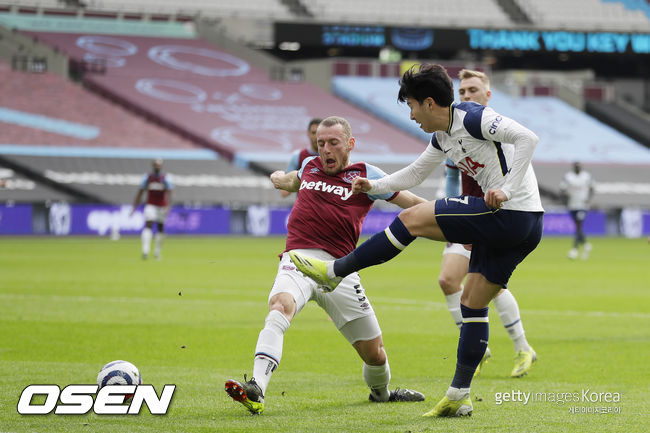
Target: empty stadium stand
(190, 99)
(585, 15)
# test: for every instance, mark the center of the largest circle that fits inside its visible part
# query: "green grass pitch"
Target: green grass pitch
(70, 305)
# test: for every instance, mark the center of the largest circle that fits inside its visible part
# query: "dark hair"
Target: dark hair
(314, 121)
(428, 81)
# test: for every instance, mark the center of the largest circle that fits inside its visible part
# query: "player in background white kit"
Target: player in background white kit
(578, 188)
(503, 227)
(475, 86)
(325, 221)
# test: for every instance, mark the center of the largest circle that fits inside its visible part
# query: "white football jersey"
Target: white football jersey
(578, 188)
(493, 149)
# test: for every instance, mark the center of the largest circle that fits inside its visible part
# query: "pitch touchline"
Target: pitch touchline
(375, 300)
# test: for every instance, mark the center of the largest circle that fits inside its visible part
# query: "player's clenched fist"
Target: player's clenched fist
(494, 198)
(360, 184)
(276, 178)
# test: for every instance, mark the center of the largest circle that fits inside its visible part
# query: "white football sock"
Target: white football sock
(330, 269)
(158, 238)
(268, 351)
(377, 377)
(508, 311)
(146, 240)
(453, 304)
(457, 393)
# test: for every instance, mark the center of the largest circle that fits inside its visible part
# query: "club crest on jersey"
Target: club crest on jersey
(349, 176)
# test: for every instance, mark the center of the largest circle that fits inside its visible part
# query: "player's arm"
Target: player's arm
(285, 181)
(138, 196)
(406, 199)
(291, 166)
(408, 177)
(136, 201)
(168, 194)
(452, 174)
(169, 187)
(524, 141)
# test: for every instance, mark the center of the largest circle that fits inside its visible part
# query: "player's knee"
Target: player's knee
(284, 303)
(448, 285)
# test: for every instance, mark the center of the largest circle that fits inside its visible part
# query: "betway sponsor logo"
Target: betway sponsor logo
(325, 187)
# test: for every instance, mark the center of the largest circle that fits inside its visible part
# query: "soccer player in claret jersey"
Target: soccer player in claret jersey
(578, 188)
(503, 227)
(475, 86)
(158, 186)
(299, 156)
(325, 222)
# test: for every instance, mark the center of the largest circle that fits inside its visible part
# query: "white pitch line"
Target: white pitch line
(403, 303)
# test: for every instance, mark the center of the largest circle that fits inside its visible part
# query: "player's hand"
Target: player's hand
(276, 178)
(360, 184)
(494, 198)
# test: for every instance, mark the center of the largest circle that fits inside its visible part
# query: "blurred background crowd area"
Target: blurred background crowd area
(223, 91)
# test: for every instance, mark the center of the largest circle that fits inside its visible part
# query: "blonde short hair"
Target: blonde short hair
(336, 120)
(464, 74)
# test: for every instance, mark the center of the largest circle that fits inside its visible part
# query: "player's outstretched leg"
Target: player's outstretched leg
(247, 393)
(380, 248)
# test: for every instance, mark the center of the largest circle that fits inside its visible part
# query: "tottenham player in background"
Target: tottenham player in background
(297, 157)
(503, 227)
(325, 222)
(578, 188)
(475, 87)
(158, 186)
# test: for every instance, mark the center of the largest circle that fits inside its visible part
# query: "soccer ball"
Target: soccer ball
(119, 373)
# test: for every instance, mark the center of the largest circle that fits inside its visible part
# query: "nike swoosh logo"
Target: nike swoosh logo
(446, 150)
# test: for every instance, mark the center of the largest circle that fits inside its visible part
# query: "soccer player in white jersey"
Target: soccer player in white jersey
(475, 86)
(325, 222)
(503, 227)
(578, 188)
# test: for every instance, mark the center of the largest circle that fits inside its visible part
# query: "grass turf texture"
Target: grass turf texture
(70, 305)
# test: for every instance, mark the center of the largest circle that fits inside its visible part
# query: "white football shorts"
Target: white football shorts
(459, 249)
(154, 213)
(348, 305)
